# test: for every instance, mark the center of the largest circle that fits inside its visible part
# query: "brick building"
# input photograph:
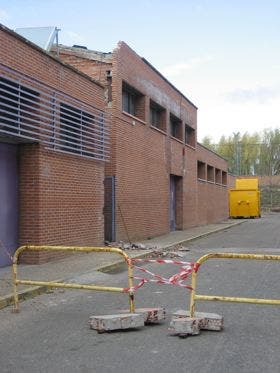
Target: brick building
(53, 135)
(158, 178)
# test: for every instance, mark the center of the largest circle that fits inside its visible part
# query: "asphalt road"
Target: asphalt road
(51, 333)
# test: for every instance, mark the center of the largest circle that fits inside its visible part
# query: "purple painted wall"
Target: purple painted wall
(8, 202)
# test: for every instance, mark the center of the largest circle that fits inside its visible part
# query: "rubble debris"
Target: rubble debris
(139, 245)
(165, 254)
(179, 247)
(175, 251)
(133, 246)
(176, 254)
(183, 249)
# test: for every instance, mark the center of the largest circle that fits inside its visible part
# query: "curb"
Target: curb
(205, 234)
(32, 292)
(29, 293)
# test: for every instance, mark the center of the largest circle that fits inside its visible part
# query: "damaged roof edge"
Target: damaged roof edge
(167, 81)
(85, 53)
(34, 46)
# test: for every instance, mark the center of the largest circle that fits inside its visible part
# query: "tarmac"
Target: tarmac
(78, 264)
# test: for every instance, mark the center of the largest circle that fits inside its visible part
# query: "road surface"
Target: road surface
(51, 333)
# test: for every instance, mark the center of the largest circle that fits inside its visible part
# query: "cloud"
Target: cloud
(4, 16)
(260, 94)
(182, 67)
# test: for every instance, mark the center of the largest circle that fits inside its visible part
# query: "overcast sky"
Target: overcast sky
(224, 55)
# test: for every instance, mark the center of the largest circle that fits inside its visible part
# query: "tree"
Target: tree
(269, 162)
(256, 154)
(207, 142)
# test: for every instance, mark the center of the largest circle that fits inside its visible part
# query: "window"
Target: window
(75, 130)
(133, 102)
(218, 176)
(175, 127)
(157, 116)
(201, 170)
(224, 178)
(210, 173)
(18, 108)
(189, 136)
(128, 102)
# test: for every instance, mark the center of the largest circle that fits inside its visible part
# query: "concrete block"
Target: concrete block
(107, 323)
(152, 315)
(210, 321)
(184, 326)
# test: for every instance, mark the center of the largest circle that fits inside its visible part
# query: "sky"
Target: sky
(224, 55)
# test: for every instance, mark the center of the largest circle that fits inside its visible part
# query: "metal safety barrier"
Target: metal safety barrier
(54, 284)
(194, 297)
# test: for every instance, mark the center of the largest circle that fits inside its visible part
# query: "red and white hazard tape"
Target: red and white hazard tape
(186, 270)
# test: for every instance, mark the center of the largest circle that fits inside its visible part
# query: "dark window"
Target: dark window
(129, 102)
(157, 116)
(201, 170)
(224, 177)
(210, 173)
(18, 108)
(75, 129)
(189, 136)
(175, 127)
(133, 102)
(218, 176)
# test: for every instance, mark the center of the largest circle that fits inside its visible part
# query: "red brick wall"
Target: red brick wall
(61, 195)
(142, 182)
(143, 158)
(231, 181)
(61, 200)
(190, 190)
(20, 56)
(212, 201)
(146, 157)
(94, 69)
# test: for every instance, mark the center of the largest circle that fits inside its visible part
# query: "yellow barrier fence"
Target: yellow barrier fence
(53, 284)
(194, 297)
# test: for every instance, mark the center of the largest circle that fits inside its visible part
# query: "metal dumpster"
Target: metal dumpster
(244, 200)
(248, 184)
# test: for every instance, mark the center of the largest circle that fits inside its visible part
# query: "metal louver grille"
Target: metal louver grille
(31, 110)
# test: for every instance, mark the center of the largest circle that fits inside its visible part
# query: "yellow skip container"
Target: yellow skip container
(244, 200)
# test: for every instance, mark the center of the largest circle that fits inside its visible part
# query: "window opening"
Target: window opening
(210, 173)
(175, 127)
(189, 136)
(133, 102)
(157, 116)
(201, 170)
(218, 176)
